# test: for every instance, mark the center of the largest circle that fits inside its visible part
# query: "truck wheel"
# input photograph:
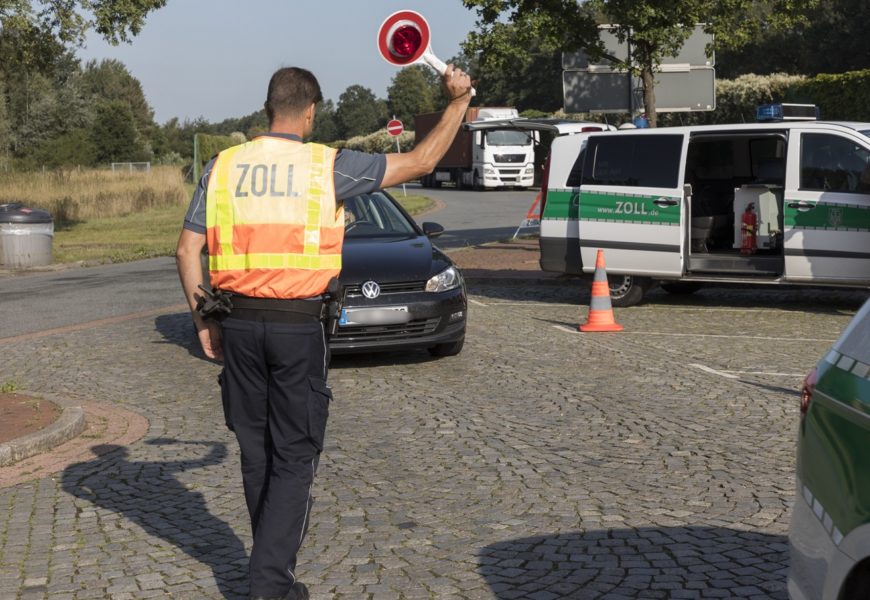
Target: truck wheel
(681, 287)
(627, 290)
(478, 182)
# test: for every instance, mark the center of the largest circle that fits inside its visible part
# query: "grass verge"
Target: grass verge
(147, 234)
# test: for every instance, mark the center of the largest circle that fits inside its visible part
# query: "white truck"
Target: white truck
(484, 159)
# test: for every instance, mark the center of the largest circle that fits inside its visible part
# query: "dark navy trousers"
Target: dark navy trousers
(276, 401)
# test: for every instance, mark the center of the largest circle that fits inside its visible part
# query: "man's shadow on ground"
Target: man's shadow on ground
(625, 563)
(148, 494)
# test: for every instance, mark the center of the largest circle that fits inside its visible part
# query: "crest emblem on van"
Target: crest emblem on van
(835, 217)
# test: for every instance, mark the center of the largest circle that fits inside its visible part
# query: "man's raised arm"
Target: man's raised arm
(426, 154)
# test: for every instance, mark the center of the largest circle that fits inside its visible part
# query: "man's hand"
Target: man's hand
(209, 333)
(457, 84)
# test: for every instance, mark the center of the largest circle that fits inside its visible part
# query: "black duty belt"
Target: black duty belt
(313, 307)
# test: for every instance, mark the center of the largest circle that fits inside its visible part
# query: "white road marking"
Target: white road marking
(713, 335)
(714, 371)
(473, 301)
(767, 374)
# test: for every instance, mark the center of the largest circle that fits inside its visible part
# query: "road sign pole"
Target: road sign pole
(399, 151)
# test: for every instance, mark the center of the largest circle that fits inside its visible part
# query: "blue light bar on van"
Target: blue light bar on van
(787, 112)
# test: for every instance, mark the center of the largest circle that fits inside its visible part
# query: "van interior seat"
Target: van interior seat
(771, 171)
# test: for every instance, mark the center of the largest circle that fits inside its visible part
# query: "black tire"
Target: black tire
(478, 182)
(681, 287)
(448, 349)
(627, 290)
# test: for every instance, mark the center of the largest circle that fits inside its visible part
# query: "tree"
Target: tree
(529, 77)
(110, 80)
(832, 40)
(325, 125)
(359, 112)
(114, 133)
(37, 28)
(654, 29)
(414, 90)
(5, 126)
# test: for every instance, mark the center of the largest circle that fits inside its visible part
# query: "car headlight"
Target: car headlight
(447, 279)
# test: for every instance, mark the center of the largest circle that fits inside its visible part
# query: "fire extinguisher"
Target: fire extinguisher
(748, 223)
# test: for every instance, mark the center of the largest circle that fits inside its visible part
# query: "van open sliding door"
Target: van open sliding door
(632, 205)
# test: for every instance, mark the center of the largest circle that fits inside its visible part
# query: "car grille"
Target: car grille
(377, 333)
(407, 287)
(509, 158)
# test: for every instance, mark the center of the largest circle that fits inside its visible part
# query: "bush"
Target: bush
(379, 142)
(842, 96)
(737, 100)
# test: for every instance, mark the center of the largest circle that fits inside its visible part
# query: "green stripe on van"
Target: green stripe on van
(828, 216)
(628, 208)
(561, 205)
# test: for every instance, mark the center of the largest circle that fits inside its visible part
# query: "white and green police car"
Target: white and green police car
(667, 205)
(830, 528)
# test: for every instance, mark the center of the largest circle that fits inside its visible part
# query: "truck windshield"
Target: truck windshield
(504, 137)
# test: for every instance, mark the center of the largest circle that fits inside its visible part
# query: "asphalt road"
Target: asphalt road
(42, 301)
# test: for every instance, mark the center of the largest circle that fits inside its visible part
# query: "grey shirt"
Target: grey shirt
(354, 173)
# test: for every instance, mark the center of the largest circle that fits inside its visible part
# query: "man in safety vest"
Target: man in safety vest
(270, 212)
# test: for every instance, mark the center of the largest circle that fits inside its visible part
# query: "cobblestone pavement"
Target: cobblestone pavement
(540, 463)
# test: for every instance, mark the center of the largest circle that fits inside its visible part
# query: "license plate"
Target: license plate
(386, 315)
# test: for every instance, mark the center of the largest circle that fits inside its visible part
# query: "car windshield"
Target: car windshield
(374, 215)
(504, 137)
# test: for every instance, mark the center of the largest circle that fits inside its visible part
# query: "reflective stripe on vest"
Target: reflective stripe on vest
(272, 224)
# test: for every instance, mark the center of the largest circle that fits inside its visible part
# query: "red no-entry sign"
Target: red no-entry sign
(395, 127)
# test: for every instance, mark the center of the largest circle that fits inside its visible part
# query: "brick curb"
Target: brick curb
(105, 424)
(70, 424)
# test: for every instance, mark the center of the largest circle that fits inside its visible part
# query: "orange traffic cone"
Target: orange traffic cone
(600, 311)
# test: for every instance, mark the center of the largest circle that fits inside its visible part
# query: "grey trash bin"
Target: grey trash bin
(25, 236)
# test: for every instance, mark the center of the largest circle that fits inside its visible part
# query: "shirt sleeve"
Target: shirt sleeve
(358, 173)
(194, 220)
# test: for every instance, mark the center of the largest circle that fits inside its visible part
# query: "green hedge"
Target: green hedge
(840, 97)
(377, 142)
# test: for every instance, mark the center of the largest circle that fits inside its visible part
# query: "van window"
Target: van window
(834, 164)
(576, 174)
(633, 160)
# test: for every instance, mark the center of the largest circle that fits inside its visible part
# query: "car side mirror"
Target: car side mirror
(432, 230)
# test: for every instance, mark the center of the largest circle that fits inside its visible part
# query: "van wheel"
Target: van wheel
(449, 349)
(627, 290)
(681, 287)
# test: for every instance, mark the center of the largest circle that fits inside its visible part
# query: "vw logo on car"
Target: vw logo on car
(371, 290)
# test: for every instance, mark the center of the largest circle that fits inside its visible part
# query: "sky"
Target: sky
(213, 58)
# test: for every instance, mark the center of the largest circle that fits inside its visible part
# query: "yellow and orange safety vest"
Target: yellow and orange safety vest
(272, 223)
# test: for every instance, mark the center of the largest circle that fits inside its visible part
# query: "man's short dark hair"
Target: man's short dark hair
(291, 91)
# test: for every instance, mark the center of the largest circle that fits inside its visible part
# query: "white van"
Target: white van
(667, 205)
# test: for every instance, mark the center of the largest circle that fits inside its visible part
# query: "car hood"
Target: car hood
(390, 260)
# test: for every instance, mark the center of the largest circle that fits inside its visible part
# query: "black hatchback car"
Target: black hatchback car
(400, 291)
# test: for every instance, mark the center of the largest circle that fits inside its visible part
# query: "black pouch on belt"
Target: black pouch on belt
(216, 304)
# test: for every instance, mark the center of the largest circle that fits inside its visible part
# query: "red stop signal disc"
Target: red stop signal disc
(395, 127)
(403, 37)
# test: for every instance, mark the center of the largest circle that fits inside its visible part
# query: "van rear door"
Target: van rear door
(827, 208)
(632, 204)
